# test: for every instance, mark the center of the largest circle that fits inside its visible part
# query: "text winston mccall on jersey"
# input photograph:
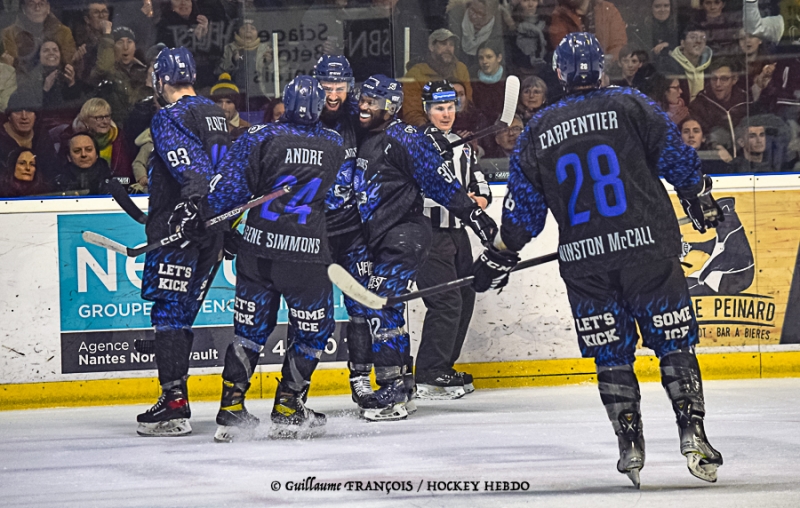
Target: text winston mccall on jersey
(596, 245)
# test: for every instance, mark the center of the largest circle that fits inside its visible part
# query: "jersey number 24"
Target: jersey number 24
(602, 182)
(299, 204)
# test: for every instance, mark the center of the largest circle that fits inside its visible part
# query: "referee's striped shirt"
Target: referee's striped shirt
(464, 165)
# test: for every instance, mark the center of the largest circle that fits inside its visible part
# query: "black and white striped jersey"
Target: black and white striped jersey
(464, 164)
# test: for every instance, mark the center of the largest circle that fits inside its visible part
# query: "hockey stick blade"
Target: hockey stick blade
(509, 110)
(102, 241)
(125, 202)
(352, 288)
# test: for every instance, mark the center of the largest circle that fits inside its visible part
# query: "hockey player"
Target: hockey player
(594, 159)
(449, 313)
(189, 135)
(283, 252)
(345, 232)
(395, 163)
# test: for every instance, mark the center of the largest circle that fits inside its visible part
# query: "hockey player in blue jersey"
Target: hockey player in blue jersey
(396, 164)
(345, 231)
(594, 159)
(283, 252)
(189, 135)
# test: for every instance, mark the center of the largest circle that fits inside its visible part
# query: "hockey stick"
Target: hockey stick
(102, 241)
(352, 288)
(125, 202)
(509, 109)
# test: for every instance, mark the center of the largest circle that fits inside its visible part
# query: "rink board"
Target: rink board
(70, 311)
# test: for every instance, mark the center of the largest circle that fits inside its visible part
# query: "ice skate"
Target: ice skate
(387, 404)
(233, 419)
(466, 378)
(291, 419)
(440, 386)
(360, 388)
(701, 458)
(631, 457)
(169, 416)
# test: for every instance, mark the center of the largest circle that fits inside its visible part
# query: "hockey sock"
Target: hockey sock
(680, 376)
(359, 346)
(241, 359)
(298, 366)
(391, 348)
(173, 348)
(619, 391)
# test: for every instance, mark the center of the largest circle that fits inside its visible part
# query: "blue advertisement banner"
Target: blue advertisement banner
(100, 289)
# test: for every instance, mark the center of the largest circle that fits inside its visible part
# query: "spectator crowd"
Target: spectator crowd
(76, 98)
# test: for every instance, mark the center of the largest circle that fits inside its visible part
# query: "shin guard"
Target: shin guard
(172, 348)
(359, 347)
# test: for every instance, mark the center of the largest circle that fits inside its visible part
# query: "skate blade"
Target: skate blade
(280, 431)
(169, 428)
(394, 412)
(633, 475)
(431, 392)
(469, 388)
(706, 472)
(228, 434)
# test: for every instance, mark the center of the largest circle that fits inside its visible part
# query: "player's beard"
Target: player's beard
(330, 117)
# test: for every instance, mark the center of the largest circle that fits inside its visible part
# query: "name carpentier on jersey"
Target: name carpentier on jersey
(611, 242)
(603, 121)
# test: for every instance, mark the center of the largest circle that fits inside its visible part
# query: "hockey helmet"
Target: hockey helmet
(174, 66)
(304, 99)
(437, 92)
(578, 61)
(388, 91)
(334, 68)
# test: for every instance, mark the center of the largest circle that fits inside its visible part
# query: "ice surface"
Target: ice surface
(557, 439)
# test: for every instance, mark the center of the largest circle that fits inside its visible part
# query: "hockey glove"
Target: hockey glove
(185, 219)
(483, 225)
(702, 208)
(491, 269)
(230, 245)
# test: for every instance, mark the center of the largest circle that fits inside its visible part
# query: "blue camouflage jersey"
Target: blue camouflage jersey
(394, 167)
(189, 137)
(594, 159)
(267, 157)
(342, 209)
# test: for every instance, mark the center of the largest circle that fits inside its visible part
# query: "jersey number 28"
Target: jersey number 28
(601, 183)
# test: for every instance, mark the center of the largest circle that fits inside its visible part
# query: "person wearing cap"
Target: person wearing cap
(248, 60)
(118, 65)
(22, 130)
(225, 94)
(440, 64)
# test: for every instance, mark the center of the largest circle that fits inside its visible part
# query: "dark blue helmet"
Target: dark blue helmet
(578, 61)
(174, 66)
(304, 99)
(334, 68)
(388, 91)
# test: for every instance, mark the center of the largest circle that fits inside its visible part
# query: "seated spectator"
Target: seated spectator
(22, 130)
(51, 80)
(88, 34)
(248, 61)
(714, 159)
(721, 26)
(126, 74)
(19, 176)
(504, 141)
(84, 169)
(596, 16)
(532, 97)
(38, 23)
(630, 61)
(226, 95)
(273, 110)
(667, 94)
(722, 104)
(688, 62)
(95, 119)
(525, 41)
(184, 23)
(469, 118)
(752, 141)
(441, 64)
(474, 22)
(491, 83)
(658, 31)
